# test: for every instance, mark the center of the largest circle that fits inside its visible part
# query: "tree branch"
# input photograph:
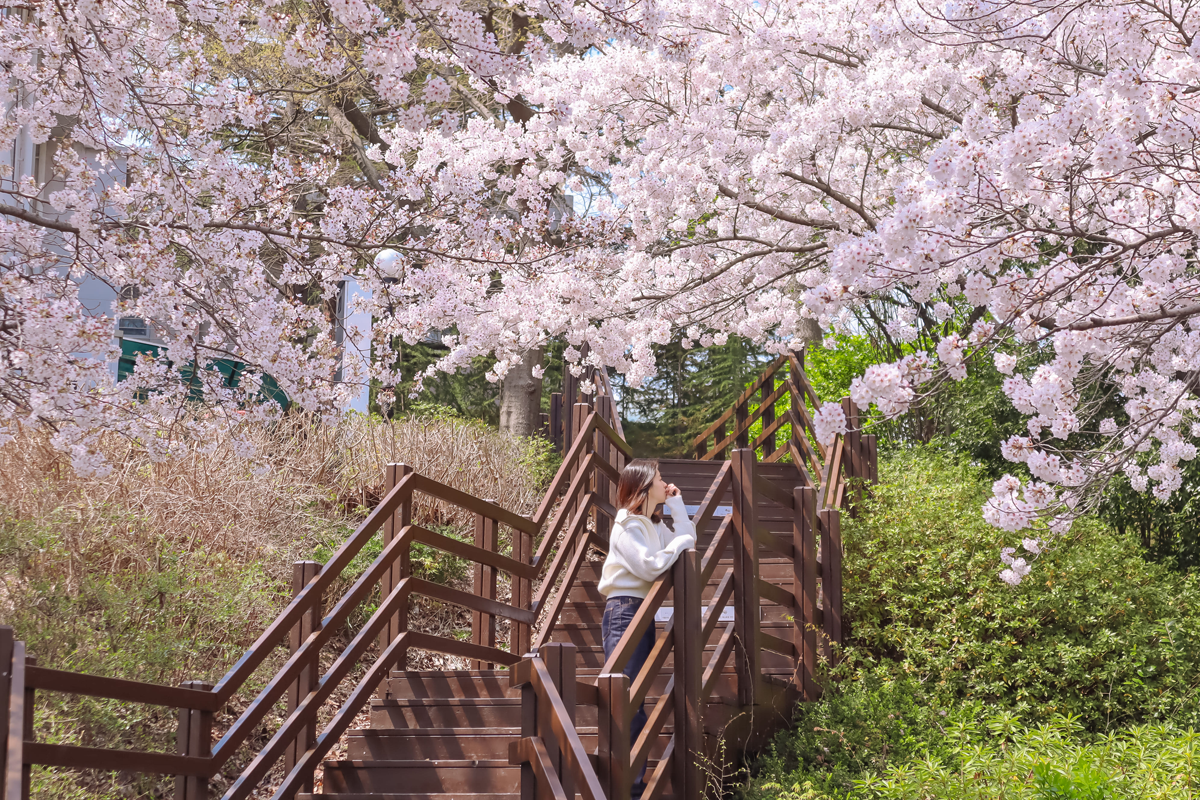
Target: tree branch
(778, 213)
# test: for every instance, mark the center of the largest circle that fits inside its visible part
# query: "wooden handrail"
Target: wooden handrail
(574, 531)
(532, 750)
(277, 630)
(471, 552)
(56, 680)
(755, 385)
(717, 663)
(470, 502)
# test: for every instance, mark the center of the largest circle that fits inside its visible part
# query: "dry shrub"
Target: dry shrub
(166, 571)
(265, 495)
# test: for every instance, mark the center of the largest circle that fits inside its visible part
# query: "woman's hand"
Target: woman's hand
(672, 490)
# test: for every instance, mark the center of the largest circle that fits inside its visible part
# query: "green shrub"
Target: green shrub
(993, 760)
(1097, 636)
(1095, 631)
(862, 728)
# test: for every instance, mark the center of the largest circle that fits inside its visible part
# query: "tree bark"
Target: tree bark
(521, 397)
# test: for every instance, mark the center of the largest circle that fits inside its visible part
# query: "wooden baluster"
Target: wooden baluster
(579, 413)
(529, 727)
(522, 592)
(856, 467)
(556, 422)
(570, 396)
(605, 489)
(688, 668)
(6, 676)
(302, 573)
(30, 729)
(194, 738)
(831, 579)
(740, 415)
(401, 568)
(612, 749)
(18, 726)
(483, 626)
(718, 437)
(872, 457)
(804, 588)
(560, 663)
(768, 415)
(745, 573)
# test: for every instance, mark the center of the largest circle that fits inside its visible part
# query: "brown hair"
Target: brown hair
(634, 484)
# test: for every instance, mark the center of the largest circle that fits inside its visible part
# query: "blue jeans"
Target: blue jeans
(618, 613)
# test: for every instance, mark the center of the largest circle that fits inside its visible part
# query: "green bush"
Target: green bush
(864, 727)
(994, 760)
(1097, 635)
(1095, 631)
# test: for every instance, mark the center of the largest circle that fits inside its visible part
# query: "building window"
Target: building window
(132, 326)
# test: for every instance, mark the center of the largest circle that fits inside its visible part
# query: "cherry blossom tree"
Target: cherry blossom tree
(1017, 177)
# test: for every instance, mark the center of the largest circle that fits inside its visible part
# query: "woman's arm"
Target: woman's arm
(631, 548)
(678, 511)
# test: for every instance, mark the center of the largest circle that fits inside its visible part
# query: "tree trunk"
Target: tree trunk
(521, 397)
(810, 331)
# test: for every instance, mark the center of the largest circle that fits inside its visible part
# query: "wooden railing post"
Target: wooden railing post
(402, 567)
(688, 668)
(302, 573)
(831, 579)
(579, 413)
(768, 415)
(483, 626)
(718, 437)
(872, 457)
(6, 670)
(529, 726)
(745, 573)
(520, 634)
(805, 588)
(559, 658)
(556, 422)
(194, 738)
(740, 415)
(605, 489)
(18, 702)
(570, 395)
(612, 749)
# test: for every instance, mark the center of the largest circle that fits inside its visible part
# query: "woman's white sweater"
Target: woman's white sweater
(640, 551)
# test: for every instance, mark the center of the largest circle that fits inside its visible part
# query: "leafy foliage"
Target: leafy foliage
(1103, 633)
(949, 672)
(985, 757)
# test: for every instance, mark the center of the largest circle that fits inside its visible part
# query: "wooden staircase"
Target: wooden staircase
(541, 714)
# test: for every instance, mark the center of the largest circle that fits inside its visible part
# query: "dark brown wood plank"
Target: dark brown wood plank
(76, 757)
(153, 694)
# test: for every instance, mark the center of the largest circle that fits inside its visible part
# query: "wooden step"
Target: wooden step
(442, 712)
(461, 744)
(449, 684)
(447, 776)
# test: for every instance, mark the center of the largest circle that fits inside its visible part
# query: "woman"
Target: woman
(640, 549)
